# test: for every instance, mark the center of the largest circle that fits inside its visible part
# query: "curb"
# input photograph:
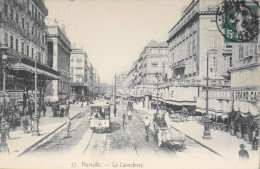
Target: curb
(203, 145)
(44, 138)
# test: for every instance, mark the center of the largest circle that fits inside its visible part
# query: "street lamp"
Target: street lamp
(3, 145)
(35, 130)
(206, 133)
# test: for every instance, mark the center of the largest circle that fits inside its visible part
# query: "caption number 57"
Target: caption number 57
(73, 165)
(230, 34)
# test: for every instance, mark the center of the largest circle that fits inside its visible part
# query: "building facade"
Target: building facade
(193, 42)
(58, 54)
(147, 70)
(79, 72)
(22, 31)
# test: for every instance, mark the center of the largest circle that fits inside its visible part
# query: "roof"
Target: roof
(157, 44)
(100, 103)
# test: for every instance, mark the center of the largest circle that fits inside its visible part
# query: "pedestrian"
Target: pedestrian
(129, 114)
(44, 109)
(124, 118)
(7, 129)
(243, 154)
(146, 126)
(255, 140)
(25, 125)
(68, 124)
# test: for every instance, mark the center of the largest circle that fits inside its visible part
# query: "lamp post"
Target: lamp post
(35, 130)
(3, 145)
(206, 133)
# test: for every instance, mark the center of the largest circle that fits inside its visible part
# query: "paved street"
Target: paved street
(127, 142)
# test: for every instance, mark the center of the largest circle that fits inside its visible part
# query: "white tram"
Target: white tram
(100, 116)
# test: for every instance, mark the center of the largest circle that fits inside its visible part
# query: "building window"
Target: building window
(32, 30)
(154, 64)
(6, 39)
(43, 39)
(6, 9)
(50, 54)
(214, 41)
(32, 53)
(72, 71)
(230, 61)
(245, 50)
(213, 24)
(250, 50)
(16, 44)
(38, 57)
(22, 45)
(12, 14)
(23, 23)
(28, 28)
(78, 60)
(12, 42)
(241, 51)
(17, 18)
(27, 50)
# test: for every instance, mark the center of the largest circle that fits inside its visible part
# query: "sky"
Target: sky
(114, 32)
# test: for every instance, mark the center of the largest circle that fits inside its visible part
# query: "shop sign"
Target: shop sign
(211, 83)
(217, 94)
(246, 95)
(219, 83)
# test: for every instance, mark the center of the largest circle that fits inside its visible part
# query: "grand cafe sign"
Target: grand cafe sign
(246, 95)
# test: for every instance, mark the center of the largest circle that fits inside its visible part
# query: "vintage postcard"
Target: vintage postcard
(129, 84)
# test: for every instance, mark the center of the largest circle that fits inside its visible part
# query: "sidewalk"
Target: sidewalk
(222, 142)
(20, 141)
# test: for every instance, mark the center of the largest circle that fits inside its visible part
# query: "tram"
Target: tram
(100, 116)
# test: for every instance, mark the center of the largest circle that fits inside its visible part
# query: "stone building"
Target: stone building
(79, 68)
(58, 53)
(23, 28)
(194, 39)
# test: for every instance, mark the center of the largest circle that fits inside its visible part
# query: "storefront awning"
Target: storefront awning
(25, 67)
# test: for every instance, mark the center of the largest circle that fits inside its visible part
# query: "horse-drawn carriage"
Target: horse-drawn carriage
(164, 134)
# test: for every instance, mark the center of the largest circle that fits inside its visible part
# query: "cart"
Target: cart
(165, 135)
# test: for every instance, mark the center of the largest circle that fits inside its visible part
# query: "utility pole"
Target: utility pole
(35, 131)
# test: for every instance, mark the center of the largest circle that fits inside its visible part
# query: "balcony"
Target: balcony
(21, 5)
(246, 62)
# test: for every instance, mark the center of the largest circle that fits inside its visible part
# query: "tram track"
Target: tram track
(97, 143)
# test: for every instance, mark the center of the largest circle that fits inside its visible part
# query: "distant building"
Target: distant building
(151, 66)
(58, 53)
(79, 72)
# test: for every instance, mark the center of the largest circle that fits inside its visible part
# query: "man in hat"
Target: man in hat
(255, 139)
(243, 154)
